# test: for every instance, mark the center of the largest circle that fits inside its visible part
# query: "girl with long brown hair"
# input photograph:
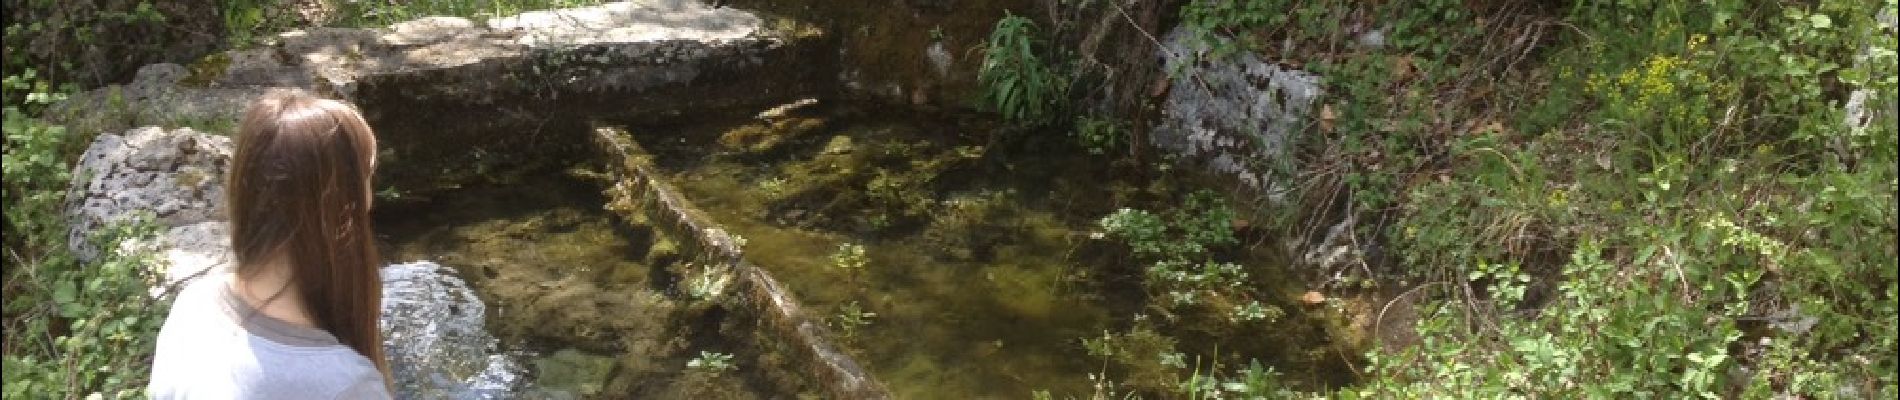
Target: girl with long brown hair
(298, 317)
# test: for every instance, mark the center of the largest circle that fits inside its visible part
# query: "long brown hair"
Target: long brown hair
(299, 187)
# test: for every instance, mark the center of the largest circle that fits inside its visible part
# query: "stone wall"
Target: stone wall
(456, 101)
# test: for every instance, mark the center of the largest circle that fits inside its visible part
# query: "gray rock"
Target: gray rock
(628, 22)
(429, 30)
(174, 177)
(1236, 115)
(940, 59)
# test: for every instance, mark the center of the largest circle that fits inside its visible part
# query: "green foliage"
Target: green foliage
(246, 19)
(1178, 247)
(1019, 82)
(1179, 234)
(1147, 359)
(708, 283)
(1728, 235)
(1225, 27)
(1252, 382)
(850, 257)
(75, 328)
(1150, 365)
(1099, 135)
(35, 164)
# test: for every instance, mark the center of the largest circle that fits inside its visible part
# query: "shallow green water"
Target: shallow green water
(569, 282)
(983, 267)
(982, 271)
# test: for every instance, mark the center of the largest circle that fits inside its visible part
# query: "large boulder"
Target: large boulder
(176, 177)
(1233, 115)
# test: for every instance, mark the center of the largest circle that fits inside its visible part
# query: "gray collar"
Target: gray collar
(267, 327)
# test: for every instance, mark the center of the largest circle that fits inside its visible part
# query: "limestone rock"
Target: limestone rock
(1236, 115)
(629, 21)
(175, 177)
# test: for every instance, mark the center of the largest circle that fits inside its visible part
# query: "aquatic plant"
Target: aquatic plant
(851, 317)
(1099, 134)
(712, 362)
(850, 257)
(708, 283)
(1177, 244)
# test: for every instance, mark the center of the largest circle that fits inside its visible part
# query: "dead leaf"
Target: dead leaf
(1326, 117)
(1160, 87)
(1401, 68)
(1313, 298)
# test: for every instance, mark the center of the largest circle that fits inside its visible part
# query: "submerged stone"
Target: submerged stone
(839, 144)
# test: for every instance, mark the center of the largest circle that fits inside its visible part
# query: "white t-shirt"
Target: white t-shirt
(216, 346)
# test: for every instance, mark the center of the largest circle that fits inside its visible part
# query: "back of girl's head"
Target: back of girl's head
(298, 193)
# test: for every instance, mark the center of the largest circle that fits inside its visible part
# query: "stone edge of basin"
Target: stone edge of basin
(839, 375)
(521, 76)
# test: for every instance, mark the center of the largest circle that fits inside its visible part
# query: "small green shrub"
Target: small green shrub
(1018, 81)
(851, 317)
(76, 329)
(1100, 135)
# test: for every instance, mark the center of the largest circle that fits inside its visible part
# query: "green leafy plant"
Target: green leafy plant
(708, 283)
(1100, 135)
(1018, 82)
(712, 362)
(1222, 27)
(850, 257)
(1178, 246)
(851, 317)
(72, 332)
